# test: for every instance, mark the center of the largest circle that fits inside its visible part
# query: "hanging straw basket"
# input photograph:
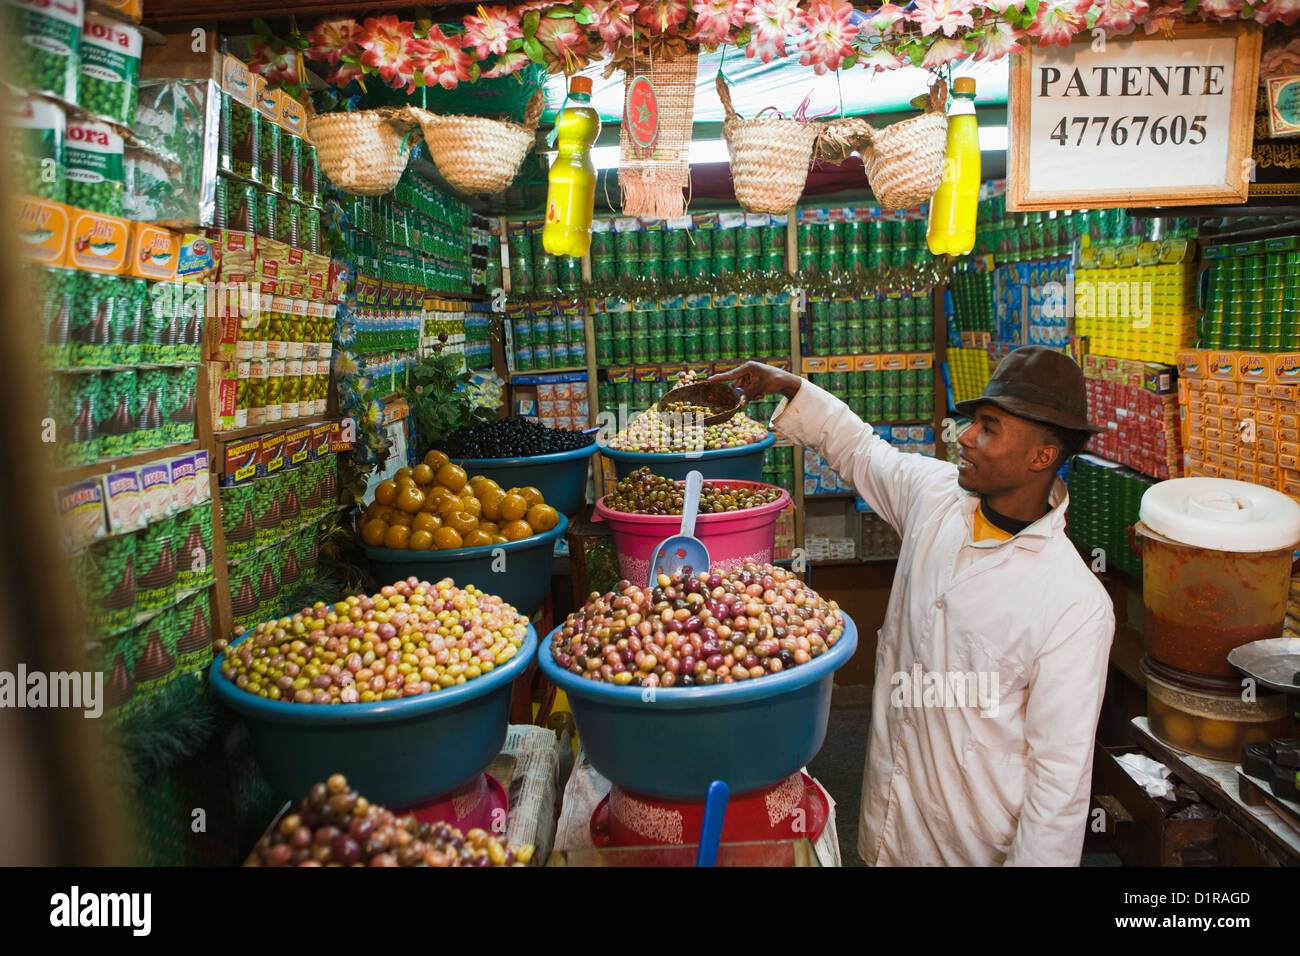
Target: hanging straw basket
(476, 154)
(905, 163)
(770, 157)
(363, 153)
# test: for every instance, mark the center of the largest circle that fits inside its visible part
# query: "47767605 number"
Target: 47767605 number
(1131, 130)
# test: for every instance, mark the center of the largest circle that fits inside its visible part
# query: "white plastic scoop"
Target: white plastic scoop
(682, 550)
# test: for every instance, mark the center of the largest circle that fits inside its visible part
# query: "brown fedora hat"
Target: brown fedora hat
(1038, 383)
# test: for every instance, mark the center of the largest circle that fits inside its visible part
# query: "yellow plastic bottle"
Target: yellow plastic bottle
(952, 210)
(571, 183)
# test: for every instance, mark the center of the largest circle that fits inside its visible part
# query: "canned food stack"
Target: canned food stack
(1143, 312)
(1253, 296)
(970, 301)
(1138, 405)
(691, 334)
(893, 323)
(846, 240)
(883, 395)
(1219, 394)
(548, 335)
(969, 369)
(269, 181)
(1104, 500)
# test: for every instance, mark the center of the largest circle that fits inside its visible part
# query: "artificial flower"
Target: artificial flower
(830, 35)
(345, 74)
(1162, 20)
(1117, 17)
(565, 40)
(613, 20)
(1057, 21)
(1278, 11)
(998, 40)
(441, 60)
(509, 62)
(884, 18)
(386, 47)
(881, 59)
(772, 22)
(331, 39)
(490, 31)
(714, 19)
(945, 15)
(943, 51)
(346, 364)
(662, 16)
(1224, 9)
(278, 64)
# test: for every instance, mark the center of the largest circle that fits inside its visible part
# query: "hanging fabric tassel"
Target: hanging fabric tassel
(652, 179)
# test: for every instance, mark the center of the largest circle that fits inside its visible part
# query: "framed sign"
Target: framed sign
(1134, 121)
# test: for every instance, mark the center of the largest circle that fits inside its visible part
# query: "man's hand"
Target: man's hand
(757, 380)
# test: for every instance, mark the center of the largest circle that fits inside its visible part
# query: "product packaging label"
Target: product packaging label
(184, 488)
(81, 513)
(156, 487)
(99, 243)
(44, 228)
(125, 501)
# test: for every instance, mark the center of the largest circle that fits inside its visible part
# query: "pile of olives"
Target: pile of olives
(336, 826)
(411, 638)
(511, 438)
(658, 432)
(698, 629)
(645, 493)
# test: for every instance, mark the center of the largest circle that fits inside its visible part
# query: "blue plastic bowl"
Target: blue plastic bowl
(396, 752)
(560, 477)
(743, 464)
(674, 743)
(518, 572)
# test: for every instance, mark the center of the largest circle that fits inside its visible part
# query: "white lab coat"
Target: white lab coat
(947, 785)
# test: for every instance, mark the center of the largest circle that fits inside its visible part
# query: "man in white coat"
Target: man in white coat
(991, 664)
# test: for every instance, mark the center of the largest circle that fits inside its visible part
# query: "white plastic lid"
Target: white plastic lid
(1221, 514)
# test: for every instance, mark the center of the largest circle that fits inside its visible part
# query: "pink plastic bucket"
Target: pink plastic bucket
(732, 537)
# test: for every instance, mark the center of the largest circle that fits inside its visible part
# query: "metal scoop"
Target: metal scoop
(682, 550)
(721, 399)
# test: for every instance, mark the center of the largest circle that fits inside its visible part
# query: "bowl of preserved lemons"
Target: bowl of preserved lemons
(434, 520)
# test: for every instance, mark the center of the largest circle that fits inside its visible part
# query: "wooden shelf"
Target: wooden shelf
(268, 427)
(82, 472)
(827, 495)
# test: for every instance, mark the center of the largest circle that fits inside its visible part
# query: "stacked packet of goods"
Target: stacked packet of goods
(1138, 405)
(1239, 417)
(562, 404)
(1137, 303)
(826, 548)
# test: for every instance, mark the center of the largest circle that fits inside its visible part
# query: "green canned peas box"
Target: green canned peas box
(45, 46)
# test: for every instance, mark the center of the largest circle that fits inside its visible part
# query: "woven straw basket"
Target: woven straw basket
(476, 154)
(905, 163)
(769, 157)
(363, 153)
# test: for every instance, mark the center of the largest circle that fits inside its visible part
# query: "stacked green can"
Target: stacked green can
(972, 296)
(899, 323)
(883, 395)
(1104, 503)
(1252, 299)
